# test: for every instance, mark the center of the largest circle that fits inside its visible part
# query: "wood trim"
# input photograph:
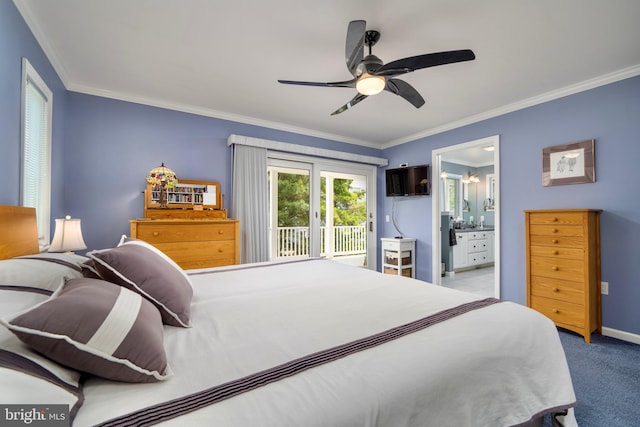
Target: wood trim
(18, 231)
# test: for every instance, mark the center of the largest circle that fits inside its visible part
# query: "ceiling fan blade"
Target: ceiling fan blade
(412, 63)
(359, 97)
(354, 47)
(405, 90)
(348, 83)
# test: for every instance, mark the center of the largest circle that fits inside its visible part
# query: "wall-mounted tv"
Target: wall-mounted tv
(408, 181)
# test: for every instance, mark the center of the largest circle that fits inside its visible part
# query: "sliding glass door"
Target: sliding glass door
(343, 217)
(322, 208)
(290, 210)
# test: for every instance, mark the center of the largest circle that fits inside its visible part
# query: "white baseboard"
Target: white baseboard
(621, 335)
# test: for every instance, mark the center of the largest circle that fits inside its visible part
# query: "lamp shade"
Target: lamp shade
(162, 176)
(68, 236)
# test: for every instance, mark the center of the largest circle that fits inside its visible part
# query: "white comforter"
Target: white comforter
(496, 366)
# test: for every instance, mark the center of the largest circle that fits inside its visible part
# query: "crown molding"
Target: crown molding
(605, 79)
(26, 12)
(28, 16)
(153, 102)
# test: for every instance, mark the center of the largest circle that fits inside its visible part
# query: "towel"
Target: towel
(452, 237)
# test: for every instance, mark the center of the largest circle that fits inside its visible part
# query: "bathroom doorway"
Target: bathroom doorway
(466, 216)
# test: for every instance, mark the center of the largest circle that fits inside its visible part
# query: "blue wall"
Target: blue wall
(609, 114)
(111, 145)
(103, 148)
(16, 42)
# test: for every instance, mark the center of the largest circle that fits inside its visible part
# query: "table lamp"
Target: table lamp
(68, 236)
(163, 178)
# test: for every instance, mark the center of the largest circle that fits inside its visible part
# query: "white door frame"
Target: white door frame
(436, 209)
(318, 165)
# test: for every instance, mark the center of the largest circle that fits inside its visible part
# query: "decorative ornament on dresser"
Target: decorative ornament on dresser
(163, 179)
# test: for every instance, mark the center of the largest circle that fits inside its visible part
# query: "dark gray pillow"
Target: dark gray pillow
(22, 369)
(99, 328)
(142, 270)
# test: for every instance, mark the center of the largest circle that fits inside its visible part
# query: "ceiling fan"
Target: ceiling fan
(371, 76)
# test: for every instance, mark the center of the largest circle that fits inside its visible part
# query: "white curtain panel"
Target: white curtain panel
(250, 202)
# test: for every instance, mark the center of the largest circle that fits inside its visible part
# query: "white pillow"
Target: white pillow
(40, 271)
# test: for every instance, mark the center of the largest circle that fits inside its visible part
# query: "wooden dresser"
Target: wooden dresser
(192, 243)
(563, 267)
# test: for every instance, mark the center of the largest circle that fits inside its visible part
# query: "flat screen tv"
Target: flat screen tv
(408, 181)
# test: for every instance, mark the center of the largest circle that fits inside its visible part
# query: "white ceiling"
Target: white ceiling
(223, 58)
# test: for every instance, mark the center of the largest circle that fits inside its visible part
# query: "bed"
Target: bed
(300, 343)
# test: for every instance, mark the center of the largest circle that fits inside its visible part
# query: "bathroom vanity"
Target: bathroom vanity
(473, 248)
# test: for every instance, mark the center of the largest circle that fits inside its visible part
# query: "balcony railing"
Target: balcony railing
(334, 241)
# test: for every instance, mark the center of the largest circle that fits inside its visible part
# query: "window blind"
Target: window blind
(36, 149)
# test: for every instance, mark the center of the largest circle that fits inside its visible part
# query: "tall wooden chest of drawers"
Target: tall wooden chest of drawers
(192, 243)
(563, 267)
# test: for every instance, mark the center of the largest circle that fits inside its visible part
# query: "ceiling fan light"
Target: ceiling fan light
(370, 85)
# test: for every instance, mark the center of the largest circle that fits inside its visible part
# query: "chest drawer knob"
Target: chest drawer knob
(554, 219)
(555, 310)
(555, 230)
(554, 241)
(555, 252)
(556, 289)
(155, 234)
(555, 268)
(220, 250)
(220, 231)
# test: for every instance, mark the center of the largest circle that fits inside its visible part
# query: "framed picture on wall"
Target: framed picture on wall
(568, 164)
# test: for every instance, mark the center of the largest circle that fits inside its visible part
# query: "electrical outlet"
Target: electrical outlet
(386, 218)
(604, 288)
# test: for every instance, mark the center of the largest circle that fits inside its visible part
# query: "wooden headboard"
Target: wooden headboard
(18, 231)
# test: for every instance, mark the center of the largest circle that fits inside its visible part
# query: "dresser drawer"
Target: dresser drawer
(567, 269)
(192, 243)
(194, 232)
(477, 235)
(561, 312)
(553, 218)
(555, 230)
(574, 241)
(564, 290)
(478, 245)
(398, 245)
(477, 258)
(190, 255)
(558, 251)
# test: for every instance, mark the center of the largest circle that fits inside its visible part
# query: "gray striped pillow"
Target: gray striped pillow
(146, 271)
(22, 369)
(97, 327)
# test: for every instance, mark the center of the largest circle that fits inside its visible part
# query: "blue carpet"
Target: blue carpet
(606, 380)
